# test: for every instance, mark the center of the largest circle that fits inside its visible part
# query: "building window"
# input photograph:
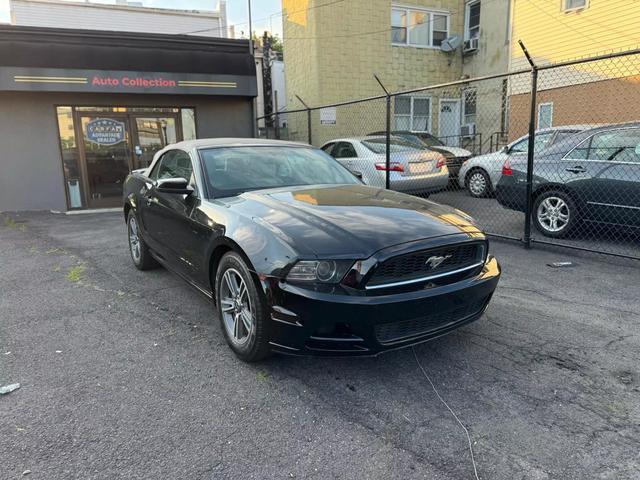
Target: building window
(545, 115)
(573, 4)
(418, 28)
(412, 113)
(472, 20)
(469, 106)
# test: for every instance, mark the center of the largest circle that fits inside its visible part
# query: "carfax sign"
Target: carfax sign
(105, 131)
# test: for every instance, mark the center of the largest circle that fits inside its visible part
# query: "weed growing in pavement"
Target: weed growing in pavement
(75, 273)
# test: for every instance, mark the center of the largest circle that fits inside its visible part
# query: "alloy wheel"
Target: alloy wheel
(553, 214)
(134, 239)
(235, 304)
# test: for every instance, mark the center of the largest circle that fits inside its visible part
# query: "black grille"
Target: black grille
(406, 329)
(416, 265)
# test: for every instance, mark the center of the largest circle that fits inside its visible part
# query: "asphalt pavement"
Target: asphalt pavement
(125, 374)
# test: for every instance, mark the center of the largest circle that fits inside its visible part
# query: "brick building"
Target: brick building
(601, 92)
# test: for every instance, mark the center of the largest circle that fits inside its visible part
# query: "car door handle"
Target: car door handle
(576, 169)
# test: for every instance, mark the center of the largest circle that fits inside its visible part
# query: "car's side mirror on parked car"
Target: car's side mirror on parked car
(177, 186)
(505, 149)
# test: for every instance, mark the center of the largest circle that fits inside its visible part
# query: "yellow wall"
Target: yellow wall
(552, 35)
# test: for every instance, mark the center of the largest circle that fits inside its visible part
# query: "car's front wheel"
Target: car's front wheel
(555, 214)
(241, 309)
(478, 183)
(138, 248)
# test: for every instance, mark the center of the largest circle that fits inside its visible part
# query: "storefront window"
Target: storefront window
(70, 156)
(188, 123)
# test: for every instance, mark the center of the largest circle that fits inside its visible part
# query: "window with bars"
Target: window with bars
(418, 28)
(469, 105)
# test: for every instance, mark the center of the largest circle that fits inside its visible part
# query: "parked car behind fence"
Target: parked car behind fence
(455, 156)
(411, 169)
(589, 177)
(479, 175)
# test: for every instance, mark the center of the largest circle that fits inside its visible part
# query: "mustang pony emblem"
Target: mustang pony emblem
(436, 261)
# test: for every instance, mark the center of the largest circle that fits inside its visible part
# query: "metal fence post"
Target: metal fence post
(387, 180)
(530, 150)
(310, 137)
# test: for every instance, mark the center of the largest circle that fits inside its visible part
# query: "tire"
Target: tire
(555, 214)
(138, 248)
(478, 183)
(242, 311)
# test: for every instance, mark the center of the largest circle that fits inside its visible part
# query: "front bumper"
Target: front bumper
(306, 322)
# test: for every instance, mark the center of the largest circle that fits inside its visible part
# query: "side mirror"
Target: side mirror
(505, 149)
(177, 186)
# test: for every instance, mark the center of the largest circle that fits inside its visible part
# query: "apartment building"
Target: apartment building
(602, 92)
(334, 49)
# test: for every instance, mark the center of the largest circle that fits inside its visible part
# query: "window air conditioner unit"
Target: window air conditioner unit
(470, 45)
(468, 130)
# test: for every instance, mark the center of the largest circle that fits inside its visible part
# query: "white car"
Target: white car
(479, 175)
(412, 170)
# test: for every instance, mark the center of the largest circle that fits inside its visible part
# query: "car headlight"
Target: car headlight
(323, 271)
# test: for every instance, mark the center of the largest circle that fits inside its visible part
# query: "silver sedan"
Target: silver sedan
(411, 169)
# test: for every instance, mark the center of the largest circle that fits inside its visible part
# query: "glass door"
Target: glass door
(106, 149)
(153, 133)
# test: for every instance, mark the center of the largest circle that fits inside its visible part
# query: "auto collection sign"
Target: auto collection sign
(118, 81)
(105, 131)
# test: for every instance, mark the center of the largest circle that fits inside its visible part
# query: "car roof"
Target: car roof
(234, 142)
(360, 139)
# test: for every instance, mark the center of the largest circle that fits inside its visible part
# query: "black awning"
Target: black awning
(33, 47)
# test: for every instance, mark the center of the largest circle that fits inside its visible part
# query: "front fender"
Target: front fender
(267, 254)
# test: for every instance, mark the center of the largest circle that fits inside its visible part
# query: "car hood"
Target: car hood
(455, 151)
(349, 221)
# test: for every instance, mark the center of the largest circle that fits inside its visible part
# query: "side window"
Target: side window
(173, 164)
(162, 166)
(619, 146)
(328, 147)
(581, 152)
(183, 168)
(344, 150)
(541, 141)
(520, 146)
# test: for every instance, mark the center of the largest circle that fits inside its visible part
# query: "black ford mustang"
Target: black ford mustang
(299, 256)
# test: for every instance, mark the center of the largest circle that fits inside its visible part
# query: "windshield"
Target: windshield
(379, 145)
(431, 141)
(232, 170)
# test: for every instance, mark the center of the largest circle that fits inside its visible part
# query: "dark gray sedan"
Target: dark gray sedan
(592, 176)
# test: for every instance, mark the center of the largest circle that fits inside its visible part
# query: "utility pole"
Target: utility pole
(267, 85)
(254, 120)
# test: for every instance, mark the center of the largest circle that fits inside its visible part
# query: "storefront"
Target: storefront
(80, 109)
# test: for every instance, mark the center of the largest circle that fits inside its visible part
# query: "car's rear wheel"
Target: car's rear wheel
(138, 249)
(478, 183)
(555, 214)
(241, 309)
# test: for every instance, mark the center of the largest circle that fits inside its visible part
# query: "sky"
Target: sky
(266, 13)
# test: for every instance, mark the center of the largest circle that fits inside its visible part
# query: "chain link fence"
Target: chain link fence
(549, 154)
